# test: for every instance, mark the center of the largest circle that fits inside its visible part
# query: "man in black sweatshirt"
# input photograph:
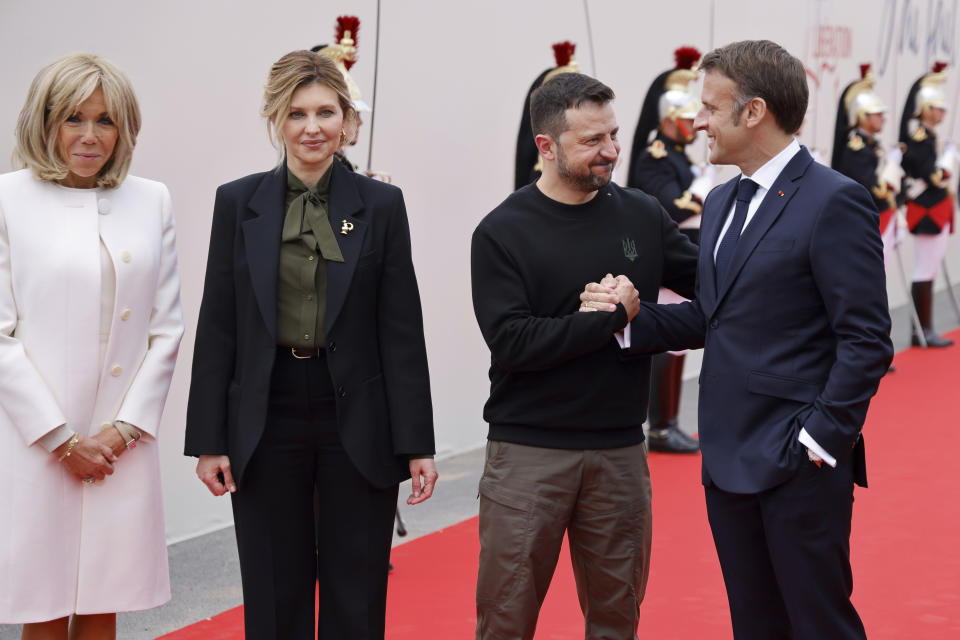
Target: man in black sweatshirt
(567, 404)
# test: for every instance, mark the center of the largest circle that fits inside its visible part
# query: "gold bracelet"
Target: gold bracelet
(70, 445)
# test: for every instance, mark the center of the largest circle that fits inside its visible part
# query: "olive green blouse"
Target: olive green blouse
(307, 243)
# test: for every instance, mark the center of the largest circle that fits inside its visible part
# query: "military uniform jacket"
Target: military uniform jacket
(928, 211)
(665, 172)
(860, 160)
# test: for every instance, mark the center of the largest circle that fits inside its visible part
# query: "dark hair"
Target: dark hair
(549, 103)
(763, 69)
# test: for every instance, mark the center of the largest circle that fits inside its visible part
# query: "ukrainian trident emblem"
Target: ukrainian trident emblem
(629, 249)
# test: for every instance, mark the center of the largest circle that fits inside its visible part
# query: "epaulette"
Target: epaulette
(855, 143)
(688, 202)
(657, 150)
(936, 178)
(919, 135)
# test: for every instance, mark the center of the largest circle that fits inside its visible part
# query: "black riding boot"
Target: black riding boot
(666, 379)
(923, 302)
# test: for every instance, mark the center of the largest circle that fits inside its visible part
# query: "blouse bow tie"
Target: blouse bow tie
(309, 211)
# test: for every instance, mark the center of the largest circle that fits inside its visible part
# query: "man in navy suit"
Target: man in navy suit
(792, 313)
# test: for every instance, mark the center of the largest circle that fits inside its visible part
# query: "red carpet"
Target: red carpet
(906, 530)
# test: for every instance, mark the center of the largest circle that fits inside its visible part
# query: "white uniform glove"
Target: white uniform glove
(913, 187)
(701, 187)
(891, 174)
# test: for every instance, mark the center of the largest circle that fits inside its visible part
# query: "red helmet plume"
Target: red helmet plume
(351, 25)
(563, 52)
(686, 57)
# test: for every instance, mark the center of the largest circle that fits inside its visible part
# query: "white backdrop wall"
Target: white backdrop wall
(452, 77)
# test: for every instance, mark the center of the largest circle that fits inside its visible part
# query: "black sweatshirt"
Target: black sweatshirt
(558, 378)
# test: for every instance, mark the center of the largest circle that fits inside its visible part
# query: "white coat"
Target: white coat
(67, 547)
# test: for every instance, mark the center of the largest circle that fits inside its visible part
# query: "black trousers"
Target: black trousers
(785, 556)
(283, 554)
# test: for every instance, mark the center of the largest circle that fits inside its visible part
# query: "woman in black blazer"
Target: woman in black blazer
(310, 369)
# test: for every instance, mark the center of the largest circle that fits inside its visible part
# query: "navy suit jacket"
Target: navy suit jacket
(797, 337)
(374, 330)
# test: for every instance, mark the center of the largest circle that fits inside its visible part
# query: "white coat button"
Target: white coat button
(125, 314)
(125, 256)
(103, 206)
(116, 370)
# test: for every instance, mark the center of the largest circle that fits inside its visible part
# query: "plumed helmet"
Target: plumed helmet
(669, 96)
(528, 163)
(926, 92)
(860, 100)
(563, 56)
(677, 103)
(856, 101)
(344, 55)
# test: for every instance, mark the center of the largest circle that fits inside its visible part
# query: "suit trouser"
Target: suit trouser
(283, 555)
(785, 556)
(528, 497)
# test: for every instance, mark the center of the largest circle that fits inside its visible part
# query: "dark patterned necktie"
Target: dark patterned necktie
(745, 192)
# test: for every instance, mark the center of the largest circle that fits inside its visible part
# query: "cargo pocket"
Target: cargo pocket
(506, 535)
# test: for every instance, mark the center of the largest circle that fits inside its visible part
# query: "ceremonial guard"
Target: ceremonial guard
(858, 154)
(929, 203)
(528, 164)
(344, 55)
(659, 166)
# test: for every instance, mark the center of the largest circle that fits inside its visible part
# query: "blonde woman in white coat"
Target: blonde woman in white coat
(90, 325)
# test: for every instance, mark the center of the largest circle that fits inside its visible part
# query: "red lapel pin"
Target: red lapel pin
(781, 193)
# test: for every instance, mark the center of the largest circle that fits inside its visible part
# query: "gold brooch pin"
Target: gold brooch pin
(346, 227)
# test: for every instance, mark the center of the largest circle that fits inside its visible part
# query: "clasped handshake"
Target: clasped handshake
(606, 294)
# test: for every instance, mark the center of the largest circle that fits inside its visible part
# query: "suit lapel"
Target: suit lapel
(770, 209)
(712, 223)
(345, 203)
(261, 235)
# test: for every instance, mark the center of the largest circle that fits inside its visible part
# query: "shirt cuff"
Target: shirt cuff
(807, 440)
(55, 438)
(127, 431)
(623, 337)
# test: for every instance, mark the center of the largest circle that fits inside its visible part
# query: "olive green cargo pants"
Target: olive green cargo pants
(529, 496)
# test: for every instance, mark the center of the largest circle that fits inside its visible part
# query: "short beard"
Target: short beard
(587, 183)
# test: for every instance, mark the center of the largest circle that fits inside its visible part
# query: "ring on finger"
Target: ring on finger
(88, 481)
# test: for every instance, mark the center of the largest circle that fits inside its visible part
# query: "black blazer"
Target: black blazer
(797, 337)
(374, 327)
